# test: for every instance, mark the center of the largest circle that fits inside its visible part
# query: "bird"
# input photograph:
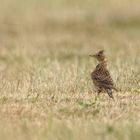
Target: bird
(101, 77)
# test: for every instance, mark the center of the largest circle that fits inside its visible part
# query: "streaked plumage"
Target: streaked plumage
(101, 76)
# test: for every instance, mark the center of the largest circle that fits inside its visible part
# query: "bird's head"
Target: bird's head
(100, 56)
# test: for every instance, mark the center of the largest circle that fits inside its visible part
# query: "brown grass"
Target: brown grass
(45, 86)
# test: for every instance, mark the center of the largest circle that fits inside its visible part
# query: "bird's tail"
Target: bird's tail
(109, 92)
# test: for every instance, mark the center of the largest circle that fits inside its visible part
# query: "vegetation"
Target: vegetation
(45, 86)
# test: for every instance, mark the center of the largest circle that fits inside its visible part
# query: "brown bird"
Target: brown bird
(101, 76)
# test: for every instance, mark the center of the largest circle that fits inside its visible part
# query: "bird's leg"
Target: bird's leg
(99, 91)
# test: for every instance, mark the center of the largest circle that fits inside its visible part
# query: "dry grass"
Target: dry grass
(45, 86)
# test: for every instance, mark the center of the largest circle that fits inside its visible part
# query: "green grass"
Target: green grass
(45, 88)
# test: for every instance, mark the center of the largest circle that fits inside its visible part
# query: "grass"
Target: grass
(45, 86)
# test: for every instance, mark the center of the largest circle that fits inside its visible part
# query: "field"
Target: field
(45, 88)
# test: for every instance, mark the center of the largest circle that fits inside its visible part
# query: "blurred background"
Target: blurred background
(89, 25)
(45, 84)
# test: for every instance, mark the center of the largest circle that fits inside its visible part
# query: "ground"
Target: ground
(46, 92)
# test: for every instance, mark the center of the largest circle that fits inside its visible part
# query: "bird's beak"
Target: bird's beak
(92, 55)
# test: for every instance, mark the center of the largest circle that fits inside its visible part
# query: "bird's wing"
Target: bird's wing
(104, 79)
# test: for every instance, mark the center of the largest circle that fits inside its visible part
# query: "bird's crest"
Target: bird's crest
(101, 52)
